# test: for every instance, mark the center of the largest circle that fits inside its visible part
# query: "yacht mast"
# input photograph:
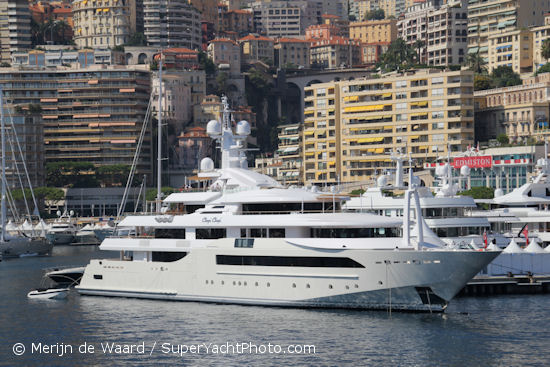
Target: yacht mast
(2, 132)
(159, 140)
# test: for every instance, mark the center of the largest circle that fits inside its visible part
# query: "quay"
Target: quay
(513, 284)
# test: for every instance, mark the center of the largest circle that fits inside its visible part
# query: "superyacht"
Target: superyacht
(248, 240)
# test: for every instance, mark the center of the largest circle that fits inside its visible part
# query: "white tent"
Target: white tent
(513, 248)
(534, 248)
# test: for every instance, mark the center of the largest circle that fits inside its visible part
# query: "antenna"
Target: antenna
(159, 140)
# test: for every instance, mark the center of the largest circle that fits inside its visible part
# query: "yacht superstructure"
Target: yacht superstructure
(251, 241)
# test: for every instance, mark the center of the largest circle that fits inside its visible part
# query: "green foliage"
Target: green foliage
(41, 194)
(504, 76)
(482, 82)
(357, 192)
(154, 65)
(503, 139)
(399, 56)
(221, 82)
(137, 39)
(476, 63)
(151, 194)
(479, 192)
(118, 48)
(376, 14)
(206, 63)
(71, 174)
(543, 69)
(545, 48)
(113, 175)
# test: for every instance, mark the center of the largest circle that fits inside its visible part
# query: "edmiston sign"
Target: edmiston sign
(485, 161)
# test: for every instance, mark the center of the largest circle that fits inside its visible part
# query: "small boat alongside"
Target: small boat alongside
(48, 293)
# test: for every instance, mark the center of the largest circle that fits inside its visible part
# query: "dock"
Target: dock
(515, 284)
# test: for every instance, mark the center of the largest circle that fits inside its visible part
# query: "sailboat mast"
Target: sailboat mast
(2, 132)
(159, 139)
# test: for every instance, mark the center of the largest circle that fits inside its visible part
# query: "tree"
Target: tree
(482, 82)
(545, 48)
(504, 76)
(137, 39)
(376, 14)
(61, 28)
(419, 46)
(399, 55)
(221, 81)
(503, 139)
(113, 175)
(543, 69)
(206, 63)
(479, 192)
(476, 63)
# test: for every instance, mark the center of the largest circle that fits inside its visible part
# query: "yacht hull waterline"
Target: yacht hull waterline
(389, 279)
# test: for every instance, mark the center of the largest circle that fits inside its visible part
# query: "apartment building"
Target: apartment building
(227, 53)
(512, 48)
(442, 29)
(62, 56)
(374, 31)
(88, 115)
(322, 31)
(290, 154)
(101, 24)
(15, 27)
(285, 18)
(256, 48)
(172, 23)
(239, 21)
(292, 51)
(540, 34)
(351, 127)
(521, 112)
(334, 52)
(393, 8)
(490, 17)
(176, 99)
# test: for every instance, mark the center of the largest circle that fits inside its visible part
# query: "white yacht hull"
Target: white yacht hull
(404, 280)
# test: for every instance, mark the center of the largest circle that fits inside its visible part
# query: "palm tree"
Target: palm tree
(476, 63)
(419, 46)
(61, 27)
(545, 48)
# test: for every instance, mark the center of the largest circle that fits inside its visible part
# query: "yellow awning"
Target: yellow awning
(309, 154)
(385, 95)
(423, 147)
(309, 133)
(423, 104)
(377, 107)
(419, 114)
(331, 163)
(379, 150)
(387, 117)
(388, 127)
(370, 140)
(414, 136)
(371, 150)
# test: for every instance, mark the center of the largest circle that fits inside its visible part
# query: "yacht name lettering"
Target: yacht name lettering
(211, 220)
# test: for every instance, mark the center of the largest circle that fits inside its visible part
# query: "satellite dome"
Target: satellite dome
(213, 128)
(442, 170)
(243, 128)
(465, 171)
(499, 193)
(382, 181)
(207, 164)
(58, 213)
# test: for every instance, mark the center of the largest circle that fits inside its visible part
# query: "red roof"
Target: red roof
(223, 40)
(290, 40)
(330, 16)
(179, 50)
(252, 37)
(240, 11)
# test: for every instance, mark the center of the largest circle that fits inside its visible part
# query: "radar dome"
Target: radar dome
(207, 164)
(58, 213)
(540, 162)
(465, 171)
(499, 193)
(243, 128)
(213, 128)
(442, 170)
(71, 213)
(382, 181)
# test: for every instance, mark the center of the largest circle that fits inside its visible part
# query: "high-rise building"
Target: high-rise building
(540, 34)
(491, 17)
(285, 18)
(172, 23)
(290, 153)
(292, 52)
(88, 115)
(101, 24)
(513, 48)
(351, 127)
(15, 27)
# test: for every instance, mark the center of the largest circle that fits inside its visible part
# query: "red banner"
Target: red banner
(485, 161)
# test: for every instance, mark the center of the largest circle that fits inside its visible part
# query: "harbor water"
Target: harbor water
(99, 331)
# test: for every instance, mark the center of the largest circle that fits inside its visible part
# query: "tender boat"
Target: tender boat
(49, 293)
(251, 241)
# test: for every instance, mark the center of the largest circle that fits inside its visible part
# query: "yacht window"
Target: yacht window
(244, 242)
(170, 233)
(277, 233)
(243, 232)
(166, 257)
(300, 261)
(210, 233)
(355, 232)
(258, 232)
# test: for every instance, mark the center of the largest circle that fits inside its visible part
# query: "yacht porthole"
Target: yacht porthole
(207, 282)
(356, 286)
(256, 284)
(347, 286)
(223, 282)
(245, 284)
(211, 282)
(293, 285)
(239, 283)
(330, 286)
(308, 286)
(234, 283)
(380, 282)
(268, 284)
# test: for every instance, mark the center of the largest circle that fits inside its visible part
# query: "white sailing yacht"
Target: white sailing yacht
(14, 244)
(251, 241)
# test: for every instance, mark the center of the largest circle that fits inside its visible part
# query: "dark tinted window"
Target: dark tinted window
(169, 233)
(209, 233)
(354, 232)
(300, 261)
(166, 257)
(244, 242)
